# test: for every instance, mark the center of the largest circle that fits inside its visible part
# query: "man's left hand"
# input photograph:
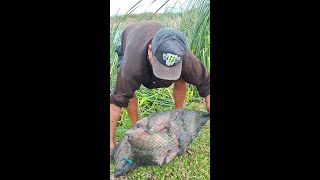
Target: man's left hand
(207, 99)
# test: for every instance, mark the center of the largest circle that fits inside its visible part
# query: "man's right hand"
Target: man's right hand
(112, 148)
(207, 99)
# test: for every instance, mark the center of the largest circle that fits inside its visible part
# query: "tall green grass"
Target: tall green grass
(193, 21)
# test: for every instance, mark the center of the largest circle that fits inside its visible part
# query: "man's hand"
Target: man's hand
(207, 99)
(112, 147)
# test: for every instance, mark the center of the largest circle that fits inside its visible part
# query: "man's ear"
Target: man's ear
(150, 54)
(149, 48)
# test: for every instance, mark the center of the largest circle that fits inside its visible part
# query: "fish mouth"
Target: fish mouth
(117, 173)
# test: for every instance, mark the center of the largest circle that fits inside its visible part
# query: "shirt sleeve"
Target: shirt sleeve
(123, 91)
(194, 72)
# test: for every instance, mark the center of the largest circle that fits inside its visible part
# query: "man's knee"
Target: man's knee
(134, 96)
(133, 100)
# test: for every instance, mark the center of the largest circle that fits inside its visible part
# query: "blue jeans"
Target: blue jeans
(119, 51)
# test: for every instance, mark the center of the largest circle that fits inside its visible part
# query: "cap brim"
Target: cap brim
(164, 72)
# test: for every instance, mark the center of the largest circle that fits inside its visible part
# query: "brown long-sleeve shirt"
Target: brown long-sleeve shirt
(136, 70)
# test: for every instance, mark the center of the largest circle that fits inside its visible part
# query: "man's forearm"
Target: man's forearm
(132, 109)
(114, 117)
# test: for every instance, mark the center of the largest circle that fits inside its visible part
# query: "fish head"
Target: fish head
(123, 158)
(124, 166)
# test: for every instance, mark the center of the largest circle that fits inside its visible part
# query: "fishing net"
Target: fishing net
(157, 139)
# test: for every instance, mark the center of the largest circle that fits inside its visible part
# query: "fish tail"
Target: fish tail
(203, 117)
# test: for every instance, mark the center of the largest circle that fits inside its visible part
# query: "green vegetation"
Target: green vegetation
(194, 22)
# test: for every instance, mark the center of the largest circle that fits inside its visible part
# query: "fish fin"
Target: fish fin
(171, 154)
(159, 160)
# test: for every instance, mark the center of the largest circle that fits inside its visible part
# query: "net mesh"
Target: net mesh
(157, 139)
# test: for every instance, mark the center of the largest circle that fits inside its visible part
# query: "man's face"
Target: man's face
(150, 58)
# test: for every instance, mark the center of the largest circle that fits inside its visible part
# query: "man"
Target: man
(155, 56)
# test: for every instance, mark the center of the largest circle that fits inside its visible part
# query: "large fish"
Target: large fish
(157, 139)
